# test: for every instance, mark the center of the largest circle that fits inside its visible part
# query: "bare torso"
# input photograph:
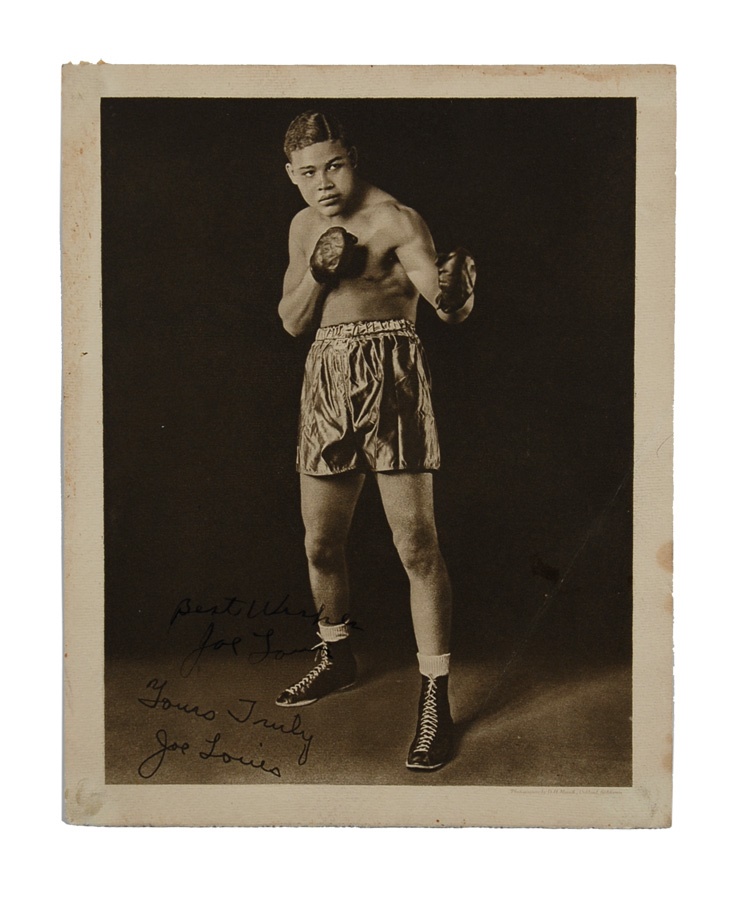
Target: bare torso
(377, 286)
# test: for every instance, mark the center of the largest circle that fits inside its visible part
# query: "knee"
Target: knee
(324, 553)
(418, 550)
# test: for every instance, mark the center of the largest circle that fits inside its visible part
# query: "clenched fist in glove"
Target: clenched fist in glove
(332, 255)
(457, 277)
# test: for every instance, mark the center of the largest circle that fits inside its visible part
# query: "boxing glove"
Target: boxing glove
(332, 255)
(456, 277)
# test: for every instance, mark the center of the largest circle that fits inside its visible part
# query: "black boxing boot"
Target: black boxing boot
(335, 670)
(432, 745)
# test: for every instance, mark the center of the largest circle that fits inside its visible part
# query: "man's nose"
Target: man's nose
(325, 181)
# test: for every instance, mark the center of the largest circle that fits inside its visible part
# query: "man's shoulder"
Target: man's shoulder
(302, 225)
(390, 213)
(302, 219)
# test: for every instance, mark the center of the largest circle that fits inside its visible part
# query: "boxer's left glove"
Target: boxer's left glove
(332, 255)
(456, 277)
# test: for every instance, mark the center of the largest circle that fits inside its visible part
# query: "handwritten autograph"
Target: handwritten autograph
(243, 715)
(151, 764)
(232, 606)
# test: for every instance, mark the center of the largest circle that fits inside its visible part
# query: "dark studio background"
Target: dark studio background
(533, 394)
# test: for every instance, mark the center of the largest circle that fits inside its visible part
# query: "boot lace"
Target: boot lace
(428, 723)
(323, 663)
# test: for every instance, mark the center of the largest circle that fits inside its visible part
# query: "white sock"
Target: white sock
(433, 666)
(332, 633)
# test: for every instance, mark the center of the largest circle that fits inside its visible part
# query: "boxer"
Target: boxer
(359, 263)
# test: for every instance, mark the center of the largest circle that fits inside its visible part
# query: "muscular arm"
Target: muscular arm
(303, 296)
(416, 252)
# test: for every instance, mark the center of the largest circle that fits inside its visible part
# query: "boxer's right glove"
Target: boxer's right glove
(332, 255)
(457, 277)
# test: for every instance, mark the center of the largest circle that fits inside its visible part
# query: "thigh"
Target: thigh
(407, 498)
(327, 503)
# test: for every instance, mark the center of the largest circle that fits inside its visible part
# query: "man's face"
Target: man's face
(324, 175)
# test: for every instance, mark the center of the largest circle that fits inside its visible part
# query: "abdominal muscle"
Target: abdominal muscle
(368, 299)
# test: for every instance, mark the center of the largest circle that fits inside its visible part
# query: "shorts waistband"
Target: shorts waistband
(364, 329)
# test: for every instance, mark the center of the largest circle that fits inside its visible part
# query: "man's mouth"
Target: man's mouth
(332, 198)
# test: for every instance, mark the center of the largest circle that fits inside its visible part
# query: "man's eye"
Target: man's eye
(335, 166)
(308, 174)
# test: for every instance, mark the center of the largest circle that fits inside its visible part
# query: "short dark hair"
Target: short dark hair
(313, 127)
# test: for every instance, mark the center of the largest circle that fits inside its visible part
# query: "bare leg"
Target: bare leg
(327, 506)
(408, 504)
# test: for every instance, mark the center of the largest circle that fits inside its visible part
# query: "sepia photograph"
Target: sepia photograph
(368, 445)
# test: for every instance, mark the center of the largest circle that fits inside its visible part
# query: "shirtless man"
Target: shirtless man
(359, 262)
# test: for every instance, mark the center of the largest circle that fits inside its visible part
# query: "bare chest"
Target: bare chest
(374, 257)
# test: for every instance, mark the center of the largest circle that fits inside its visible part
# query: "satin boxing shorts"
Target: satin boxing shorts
(365, 403)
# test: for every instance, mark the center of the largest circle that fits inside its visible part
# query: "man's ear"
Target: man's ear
(289, 170)
(354, 157)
